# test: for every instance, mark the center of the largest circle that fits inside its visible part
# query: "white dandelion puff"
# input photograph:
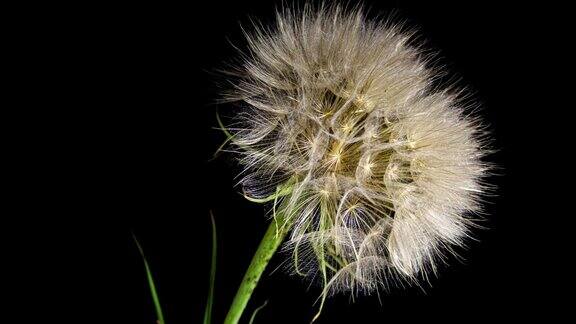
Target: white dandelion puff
(375, 168)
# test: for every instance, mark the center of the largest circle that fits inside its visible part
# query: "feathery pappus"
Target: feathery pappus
(376, 168)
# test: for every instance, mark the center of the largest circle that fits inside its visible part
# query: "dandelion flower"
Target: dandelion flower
(375, 168)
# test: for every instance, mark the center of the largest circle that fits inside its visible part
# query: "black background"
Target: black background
(152, 85)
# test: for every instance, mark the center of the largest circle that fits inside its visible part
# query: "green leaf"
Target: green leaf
(281, 191)
(209, 302)
(155, 299)
(223, 128)
(256, 311)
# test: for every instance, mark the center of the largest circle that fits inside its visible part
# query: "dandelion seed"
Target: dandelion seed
(381, 169)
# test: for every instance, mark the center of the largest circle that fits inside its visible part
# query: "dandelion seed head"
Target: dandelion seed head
(381, 169)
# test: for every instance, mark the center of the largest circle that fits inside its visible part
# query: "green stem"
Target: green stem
(268, 246)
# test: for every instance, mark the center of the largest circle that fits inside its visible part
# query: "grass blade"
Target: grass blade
(209, 302)
(155, 299)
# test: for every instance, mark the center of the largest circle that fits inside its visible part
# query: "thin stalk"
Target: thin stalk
(210, 301)
(268, 246)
